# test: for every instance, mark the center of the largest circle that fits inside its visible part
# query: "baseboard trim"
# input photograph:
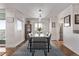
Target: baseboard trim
(65, 49)
(70, 50)
(11, 50)
(19, 45)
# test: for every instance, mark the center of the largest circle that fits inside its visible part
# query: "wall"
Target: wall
(71, 40)
(2, 6)
(19, 34)
(13, 37)
(75, 27)
(54, 30)
(47, 22)
(44, 21)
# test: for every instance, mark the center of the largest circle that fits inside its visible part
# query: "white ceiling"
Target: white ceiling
(30, 10)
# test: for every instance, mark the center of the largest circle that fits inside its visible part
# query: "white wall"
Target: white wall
(13, 37)
(71, 40)
(75, 27)
(54, 31)
(19, 34)
(45, 22)
(2, 6)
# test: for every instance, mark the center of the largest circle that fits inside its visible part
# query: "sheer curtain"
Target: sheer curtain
(2, 24)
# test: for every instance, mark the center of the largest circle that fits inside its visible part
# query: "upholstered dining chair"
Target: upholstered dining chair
(39, 43)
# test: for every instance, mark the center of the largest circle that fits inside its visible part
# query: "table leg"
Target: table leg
(48, 45)
(30, 46)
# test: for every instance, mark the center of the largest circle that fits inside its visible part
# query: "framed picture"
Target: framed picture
(67, 21)
(53, 25)
(76, 18)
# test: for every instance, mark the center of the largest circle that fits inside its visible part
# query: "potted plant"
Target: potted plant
(39, 30)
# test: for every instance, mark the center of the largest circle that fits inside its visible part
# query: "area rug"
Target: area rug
(25, 51)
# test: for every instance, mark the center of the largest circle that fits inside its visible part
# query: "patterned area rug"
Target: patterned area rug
(24, 51)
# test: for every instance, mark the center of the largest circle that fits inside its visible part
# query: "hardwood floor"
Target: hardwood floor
(59, 44)
(64, 49)
(10, 51)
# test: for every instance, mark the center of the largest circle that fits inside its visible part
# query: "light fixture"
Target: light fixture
(40, 14)
(40, 10)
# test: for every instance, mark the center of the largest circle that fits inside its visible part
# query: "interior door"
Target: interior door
(61, 32)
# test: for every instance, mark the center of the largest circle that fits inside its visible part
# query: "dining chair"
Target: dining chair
(38, 43)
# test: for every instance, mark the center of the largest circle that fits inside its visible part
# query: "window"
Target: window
(2, 26)
(38, 25)
(19, 25)
(2, 29)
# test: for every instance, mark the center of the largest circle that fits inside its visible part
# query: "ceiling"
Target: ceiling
(30, 10)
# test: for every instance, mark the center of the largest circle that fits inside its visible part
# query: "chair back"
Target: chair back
(39, 39)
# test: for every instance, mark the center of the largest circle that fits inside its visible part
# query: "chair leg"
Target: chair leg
(30, 48)
(48, 49)
(45, 52)
(33, 53)
(48, 45)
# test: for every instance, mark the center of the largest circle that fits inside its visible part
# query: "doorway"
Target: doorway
(61, 32)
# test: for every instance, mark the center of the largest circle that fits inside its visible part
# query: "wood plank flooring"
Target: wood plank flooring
(59, 44)
(64, 49)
